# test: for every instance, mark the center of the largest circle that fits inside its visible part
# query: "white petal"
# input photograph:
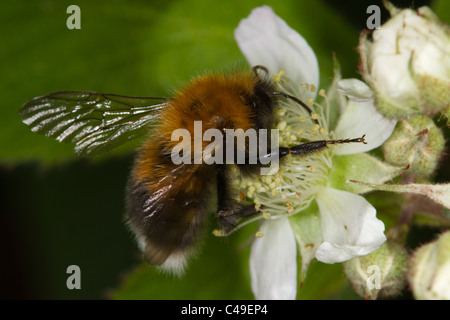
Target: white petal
(265, 39)
(355, 90)
(350, 227)
(361, 118)
(273, 264)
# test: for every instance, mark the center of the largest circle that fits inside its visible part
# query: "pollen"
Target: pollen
(218, 233)
(290, 206)
(315, 129)
(282, 125)
(302, 118)
(312, 88)
(257, 207)
(310, 101)
(315, 116)
(251, 191)
(259, 234)
(301, 131)
(277, 77)
(323, 131)
(266, 215)
(322, 93)
(281, 112)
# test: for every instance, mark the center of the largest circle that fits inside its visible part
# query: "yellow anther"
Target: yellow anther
(315, 116)
(219, 233)
(322, 93)
(277, 77)
(281, 125)
(289, 203)
(266, 215)
(315, 129)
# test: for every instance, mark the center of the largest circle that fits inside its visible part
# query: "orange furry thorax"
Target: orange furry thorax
(209, 98)
(218, 100)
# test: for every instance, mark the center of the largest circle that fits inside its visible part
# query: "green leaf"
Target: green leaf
(442, 9)
(326, 281)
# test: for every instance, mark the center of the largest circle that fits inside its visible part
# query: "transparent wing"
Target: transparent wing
(96, 122)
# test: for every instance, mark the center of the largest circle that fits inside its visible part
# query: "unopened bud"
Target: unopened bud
(429, 270)
(380, 274)
(407, 63)
(417, 144)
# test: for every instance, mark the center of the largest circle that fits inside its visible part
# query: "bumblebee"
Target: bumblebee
(167, 202)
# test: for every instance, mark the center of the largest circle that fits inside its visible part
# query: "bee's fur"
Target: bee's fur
(167, 203)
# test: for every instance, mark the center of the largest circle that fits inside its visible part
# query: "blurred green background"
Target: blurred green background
(58, 210)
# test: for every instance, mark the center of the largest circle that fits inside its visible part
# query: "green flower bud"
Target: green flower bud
(407, 63)
(380, 274)
(429, 270)
(416, 143)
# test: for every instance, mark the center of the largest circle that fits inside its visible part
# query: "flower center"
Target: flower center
(298, 179)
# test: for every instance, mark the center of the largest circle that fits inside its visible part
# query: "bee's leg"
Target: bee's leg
(229, 213)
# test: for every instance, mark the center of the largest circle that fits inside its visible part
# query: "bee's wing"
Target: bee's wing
(94, 121)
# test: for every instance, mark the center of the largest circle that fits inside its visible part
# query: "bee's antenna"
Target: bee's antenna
(300, 102)
(255, 70)
(259, 67)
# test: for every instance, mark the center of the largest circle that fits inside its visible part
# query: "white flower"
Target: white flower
(407, 62)
(347, 226)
